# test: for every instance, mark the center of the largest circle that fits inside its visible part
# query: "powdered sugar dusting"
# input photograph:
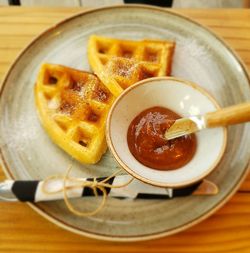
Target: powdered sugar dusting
(191, 47)
(122, 67)
(193, 61)
(54, 103)
(188, 53)
(23, 131)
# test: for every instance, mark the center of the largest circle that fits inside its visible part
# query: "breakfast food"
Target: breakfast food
(147, 143)
(73, 106)
(121, 63)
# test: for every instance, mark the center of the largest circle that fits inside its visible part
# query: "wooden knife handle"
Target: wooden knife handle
(229, 116)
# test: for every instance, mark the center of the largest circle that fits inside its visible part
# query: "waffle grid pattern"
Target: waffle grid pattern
(73, 106)
(121, 63)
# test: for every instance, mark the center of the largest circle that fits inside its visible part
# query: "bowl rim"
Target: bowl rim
(141, 237)
(140, 177)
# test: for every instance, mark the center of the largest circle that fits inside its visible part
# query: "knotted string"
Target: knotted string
(81, 183)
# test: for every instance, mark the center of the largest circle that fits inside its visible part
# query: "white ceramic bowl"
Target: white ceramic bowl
(185, 98)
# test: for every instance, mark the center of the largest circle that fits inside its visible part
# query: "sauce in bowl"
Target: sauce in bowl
(147, 143)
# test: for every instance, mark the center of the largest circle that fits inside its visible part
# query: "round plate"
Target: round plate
(28, 153)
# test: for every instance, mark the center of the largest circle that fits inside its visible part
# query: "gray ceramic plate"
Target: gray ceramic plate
(28, 153)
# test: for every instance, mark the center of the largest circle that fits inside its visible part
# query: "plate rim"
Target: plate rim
(130, 238)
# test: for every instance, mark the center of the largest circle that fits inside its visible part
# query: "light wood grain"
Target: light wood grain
(23, 230)
(226, 231)
(55, 3)
(235, 114)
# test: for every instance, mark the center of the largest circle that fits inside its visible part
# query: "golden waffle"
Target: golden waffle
(73, 106)
(121, 63)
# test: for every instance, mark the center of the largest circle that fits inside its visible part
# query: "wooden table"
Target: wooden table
(23, 230)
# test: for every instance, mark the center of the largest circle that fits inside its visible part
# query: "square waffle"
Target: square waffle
(121, 63)
(73, 106)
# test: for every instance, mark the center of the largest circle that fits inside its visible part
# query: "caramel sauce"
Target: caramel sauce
(147, 143)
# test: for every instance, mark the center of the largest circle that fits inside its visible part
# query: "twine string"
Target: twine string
(95, 185)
